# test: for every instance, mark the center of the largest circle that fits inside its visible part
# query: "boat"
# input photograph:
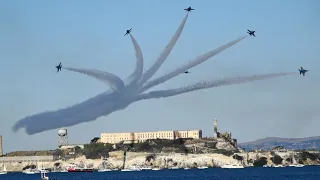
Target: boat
(175, 167)
(74, 168)
(202, 167)
(278, 166)
(155, 169)
(4, 170)
(104, 170)
(44, 170)
(186, 168)
(294, 162)
(43, 176)
(132, 168)
(31, 171)
(232, 166)
(146, 168)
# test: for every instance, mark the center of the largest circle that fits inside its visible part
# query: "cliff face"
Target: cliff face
(161, 160)
(167, 160)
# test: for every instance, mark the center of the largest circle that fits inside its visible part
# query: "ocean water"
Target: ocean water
(288, 173)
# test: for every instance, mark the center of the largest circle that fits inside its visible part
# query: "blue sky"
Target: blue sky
(37, 35)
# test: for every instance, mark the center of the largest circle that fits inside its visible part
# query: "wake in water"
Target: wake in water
(123, 94)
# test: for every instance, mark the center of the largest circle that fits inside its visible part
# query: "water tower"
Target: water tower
(62, 137)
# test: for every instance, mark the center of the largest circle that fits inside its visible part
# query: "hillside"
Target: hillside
(289, 143)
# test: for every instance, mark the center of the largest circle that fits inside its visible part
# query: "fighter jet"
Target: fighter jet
(186, 72)
(302, 71)
(128, 31)
(59, 67)
(251, 33)
(188, 9)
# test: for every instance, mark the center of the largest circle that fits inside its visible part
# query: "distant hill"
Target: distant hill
(289, 143)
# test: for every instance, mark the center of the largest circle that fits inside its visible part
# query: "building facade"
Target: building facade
(135, 137)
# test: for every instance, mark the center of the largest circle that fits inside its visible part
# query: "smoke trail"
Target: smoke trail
(89, 110)
(190, 65)
(106, 103)
(135, 76)
(110, 79)
(163, 56)
(208, 84)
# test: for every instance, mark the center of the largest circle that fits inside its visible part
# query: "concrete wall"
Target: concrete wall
(28, 158)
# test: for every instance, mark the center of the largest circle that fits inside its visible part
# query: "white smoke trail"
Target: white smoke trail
(190, 65)
(208, 84)
(89, 110)
(108, 78)
(163, 56)
(135, 76)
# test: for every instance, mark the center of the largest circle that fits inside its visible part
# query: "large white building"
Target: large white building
(134, 137)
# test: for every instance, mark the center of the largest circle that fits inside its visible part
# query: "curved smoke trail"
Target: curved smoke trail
(154, 68)
(208, 84)
(135, 76)
(89, 110)
(122, 96)
(110, 79)
(190, 65)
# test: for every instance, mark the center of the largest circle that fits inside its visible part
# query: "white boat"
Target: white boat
(44, 170)
(43, 176)
(203, 167)
(4, 170)
(186, 168)
(232, 166)
(104, 167)
(146, 168)
(31, 171)
(132, 168)
(175, 167)
(294, 162)
(104, 170)
(155, 169)
(278, 166)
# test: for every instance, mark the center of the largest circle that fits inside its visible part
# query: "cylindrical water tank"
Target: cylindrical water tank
(62, 132)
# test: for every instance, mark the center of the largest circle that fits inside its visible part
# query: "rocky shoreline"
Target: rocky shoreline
(160, 160)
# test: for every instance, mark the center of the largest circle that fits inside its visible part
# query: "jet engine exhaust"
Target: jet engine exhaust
(108, 78)
(190, 65)
(163, 56)
(135, 76)
(208, 84)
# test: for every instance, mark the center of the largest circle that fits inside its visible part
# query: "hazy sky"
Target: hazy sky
(36, 35)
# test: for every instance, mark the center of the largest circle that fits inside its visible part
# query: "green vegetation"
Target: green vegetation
(160, 145)
(305, 154)
(30, 153)
(260, 162)
(277, 159)
(237, 157)
(97, 150)
(151, 157)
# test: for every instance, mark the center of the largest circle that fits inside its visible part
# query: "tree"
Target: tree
(277, 159)
(96, 150)
(260, 162)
